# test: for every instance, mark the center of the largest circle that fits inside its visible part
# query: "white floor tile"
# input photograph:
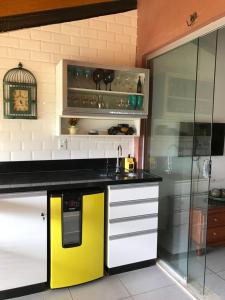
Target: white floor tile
(222, 274)
(57, 294)
(145, 280)
(107, 288)
(216, 284)
(215, 259)
(168, 293)
(38, 296)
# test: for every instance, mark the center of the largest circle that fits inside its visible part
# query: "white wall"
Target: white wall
(107, 40)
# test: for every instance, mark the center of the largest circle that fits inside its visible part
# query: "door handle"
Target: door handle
(43, 215)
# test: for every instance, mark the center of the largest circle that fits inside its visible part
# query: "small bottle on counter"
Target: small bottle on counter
(139, 86)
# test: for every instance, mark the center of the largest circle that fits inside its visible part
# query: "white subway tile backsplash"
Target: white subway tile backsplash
(21, 155)
(32, 125)
(40, 56)
(19, 53)
(111, 153)
(49, 144)
(5, 156)
(96, 153)
(40, 35)
(32, 145)
(21, 136)
(52, 28)
(42, 155)
(30, 45)
(9, 41)
(12, 146)
(4, 136)
(98, 40)
(60, 154)
(50, 47)
(79, 154)
(21, 34)
(75, 143)
(70, 29)
(61, 38)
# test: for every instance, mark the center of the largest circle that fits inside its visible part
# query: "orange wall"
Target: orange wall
(161, 22)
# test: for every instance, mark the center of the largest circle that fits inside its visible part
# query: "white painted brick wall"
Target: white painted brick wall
(107, 40)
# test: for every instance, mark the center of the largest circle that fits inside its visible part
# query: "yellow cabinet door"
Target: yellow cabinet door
(72, 266)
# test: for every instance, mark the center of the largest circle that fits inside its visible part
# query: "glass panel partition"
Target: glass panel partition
(201, 160)
(179, 149)
(170, 147)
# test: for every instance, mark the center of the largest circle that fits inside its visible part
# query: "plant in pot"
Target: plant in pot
(73, 125)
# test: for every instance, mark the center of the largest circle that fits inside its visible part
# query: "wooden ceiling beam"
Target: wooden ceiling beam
(40, 13)
(15, 7)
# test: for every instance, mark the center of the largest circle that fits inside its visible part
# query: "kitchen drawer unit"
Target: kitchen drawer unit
(128, 249)
(132, 223)
(130, 192)
(133, 208)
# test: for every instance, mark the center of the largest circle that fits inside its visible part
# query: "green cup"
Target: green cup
(139, 100)
(132, 99)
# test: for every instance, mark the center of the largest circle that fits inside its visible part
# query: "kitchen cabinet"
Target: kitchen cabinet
(132, 222)
(84, 89)
(215, 235)
(23, 239)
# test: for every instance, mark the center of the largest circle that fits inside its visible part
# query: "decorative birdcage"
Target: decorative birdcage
(20, 94)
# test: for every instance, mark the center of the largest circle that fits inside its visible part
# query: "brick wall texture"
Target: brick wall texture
(106, 40)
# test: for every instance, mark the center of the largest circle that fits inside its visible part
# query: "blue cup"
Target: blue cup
(132, 99)
(139, 100)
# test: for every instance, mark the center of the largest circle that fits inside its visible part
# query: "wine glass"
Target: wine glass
(97, 77)
(108, 77)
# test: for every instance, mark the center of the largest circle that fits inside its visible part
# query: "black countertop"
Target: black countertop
(67, 179)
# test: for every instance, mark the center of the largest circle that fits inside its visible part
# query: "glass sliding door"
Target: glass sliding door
(179, 149)
(201, 160)
(169, 148)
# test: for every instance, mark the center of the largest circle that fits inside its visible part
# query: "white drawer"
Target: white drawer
(132, 209)
(133, 192)
(134, 225)
(131, 249)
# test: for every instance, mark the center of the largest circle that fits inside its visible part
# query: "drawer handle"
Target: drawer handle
(134, 186)
(133, 202)
(214, 233)
(215, 220)
(130, 234)
(133, 218)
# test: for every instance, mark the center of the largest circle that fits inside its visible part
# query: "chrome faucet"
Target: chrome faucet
(119, 153)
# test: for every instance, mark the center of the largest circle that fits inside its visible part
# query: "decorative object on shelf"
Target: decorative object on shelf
(93, 132)
(108, 77)
(100, 103)
(132, 101)
(121, 129)
(73, 126)
(78, 72)
(20, 94)
(139, 101)
(139, 85)
(87, 73)
(97, 78)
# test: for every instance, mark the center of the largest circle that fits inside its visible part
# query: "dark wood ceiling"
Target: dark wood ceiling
(15, 14)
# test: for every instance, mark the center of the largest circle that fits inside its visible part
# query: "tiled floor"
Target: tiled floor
(215, 262)
(144, 284)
